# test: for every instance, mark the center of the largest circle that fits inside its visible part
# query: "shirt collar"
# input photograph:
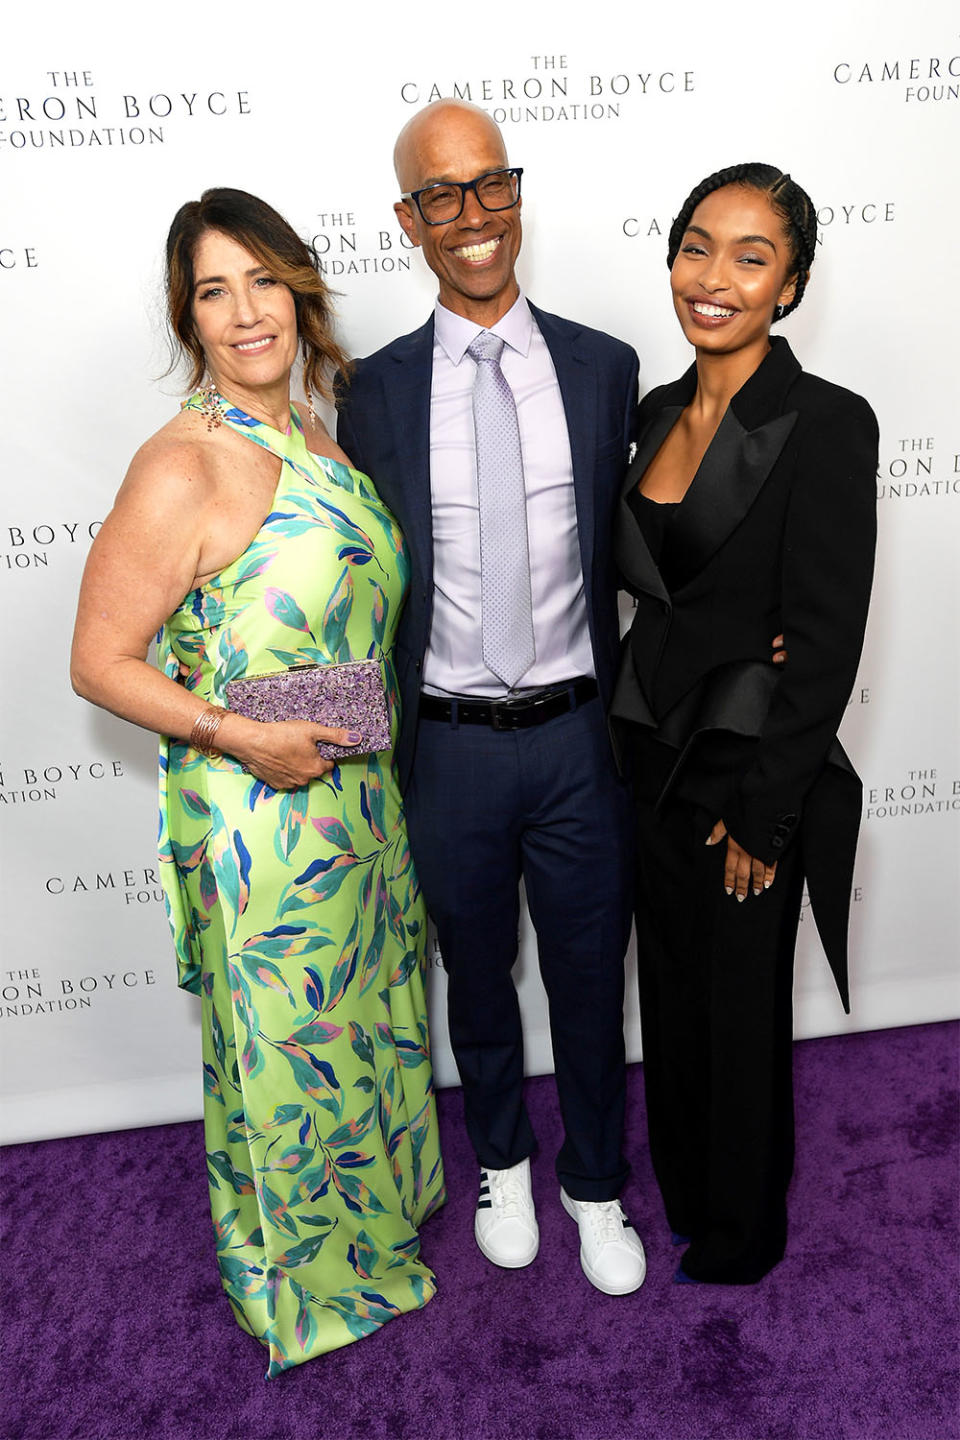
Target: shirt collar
(454, 333)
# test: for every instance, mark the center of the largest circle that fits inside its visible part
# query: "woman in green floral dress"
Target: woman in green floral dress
(242, 530)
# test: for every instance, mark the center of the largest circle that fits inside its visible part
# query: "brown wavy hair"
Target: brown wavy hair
(256, 226)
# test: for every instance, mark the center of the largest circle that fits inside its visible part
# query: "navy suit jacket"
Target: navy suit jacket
(383, 424)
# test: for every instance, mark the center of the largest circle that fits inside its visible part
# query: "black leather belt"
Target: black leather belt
(515, 714)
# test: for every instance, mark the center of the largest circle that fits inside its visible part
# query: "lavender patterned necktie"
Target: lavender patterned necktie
(505, 599)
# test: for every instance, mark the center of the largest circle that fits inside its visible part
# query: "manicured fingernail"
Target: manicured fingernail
(757, 890)
(353, 737)
(767, 884)
(729, 889)
(741, 898)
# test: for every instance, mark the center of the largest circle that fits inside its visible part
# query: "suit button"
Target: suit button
(419, 665)
(790, 819)
(777, 842)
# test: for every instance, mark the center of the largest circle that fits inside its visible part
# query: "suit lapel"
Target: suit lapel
(740, 457)
(577, 379)
(407, 385)
(727, 483)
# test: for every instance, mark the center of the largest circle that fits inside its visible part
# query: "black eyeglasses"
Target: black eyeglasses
(439, 204)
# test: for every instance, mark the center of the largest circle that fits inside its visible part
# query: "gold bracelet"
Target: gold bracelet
(205, 728)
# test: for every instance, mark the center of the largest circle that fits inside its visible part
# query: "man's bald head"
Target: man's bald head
(440, 130)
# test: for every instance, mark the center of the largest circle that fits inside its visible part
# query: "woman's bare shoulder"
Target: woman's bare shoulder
(176, 468)
(182, 452)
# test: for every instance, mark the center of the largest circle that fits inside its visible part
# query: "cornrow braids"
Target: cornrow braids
(791, 203)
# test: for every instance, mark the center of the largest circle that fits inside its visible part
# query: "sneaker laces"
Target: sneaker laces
(606, 1220)
(507, 1191)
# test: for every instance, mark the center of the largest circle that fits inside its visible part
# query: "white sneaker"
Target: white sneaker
(611, 1254)
(506, 1225)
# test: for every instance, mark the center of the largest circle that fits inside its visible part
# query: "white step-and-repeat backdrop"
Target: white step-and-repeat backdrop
(110, 118)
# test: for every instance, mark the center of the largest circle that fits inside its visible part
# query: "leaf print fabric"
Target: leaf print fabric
(297, 919)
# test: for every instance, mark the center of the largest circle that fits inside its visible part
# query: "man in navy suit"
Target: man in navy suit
(510, 778)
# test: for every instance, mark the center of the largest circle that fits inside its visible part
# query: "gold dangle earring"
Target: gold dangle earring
(307, 388)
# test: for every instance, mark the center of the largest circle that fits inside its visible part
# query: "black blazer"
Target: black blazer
(777, 532)
(383, 424)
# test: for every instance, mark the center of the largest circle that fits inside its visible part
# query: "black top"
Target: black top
(654, 519)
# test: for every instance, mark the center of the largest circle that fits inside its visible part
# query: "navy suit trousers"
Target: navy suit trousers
(486, 808)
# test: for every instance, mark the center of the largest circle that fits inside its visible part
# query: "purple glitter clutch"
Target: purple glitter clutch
(349, 696)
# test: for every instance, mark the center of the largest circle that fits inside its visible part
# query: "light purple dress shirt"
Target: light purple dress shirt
(454, 660)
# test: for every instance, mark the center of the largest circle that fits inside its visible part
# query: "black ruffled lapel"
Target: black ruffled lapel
(725, 486)
(741, 455)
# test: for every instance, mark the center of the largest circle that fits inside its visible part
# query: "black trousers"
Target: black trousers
(485, 809)
(716, 981)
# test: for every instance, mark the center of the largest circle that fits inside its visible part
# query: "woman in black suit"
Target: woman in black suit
(749, 509)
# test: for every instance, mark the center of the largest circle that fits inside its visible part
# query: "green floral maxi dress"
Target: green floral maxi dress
(298, 920)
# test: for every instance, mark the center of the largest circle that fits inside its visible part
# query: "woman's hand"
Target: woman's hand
(281, 753)
(741, 872)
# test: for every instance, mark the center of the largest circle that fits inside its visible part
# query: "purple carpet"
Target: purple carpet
(114, 1326)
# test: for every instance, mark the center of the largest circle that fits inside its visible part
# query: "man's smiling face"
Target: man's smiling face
(473, 257)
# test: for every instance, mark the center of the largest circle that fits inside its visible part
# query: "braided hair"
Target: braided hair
(791, 203)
